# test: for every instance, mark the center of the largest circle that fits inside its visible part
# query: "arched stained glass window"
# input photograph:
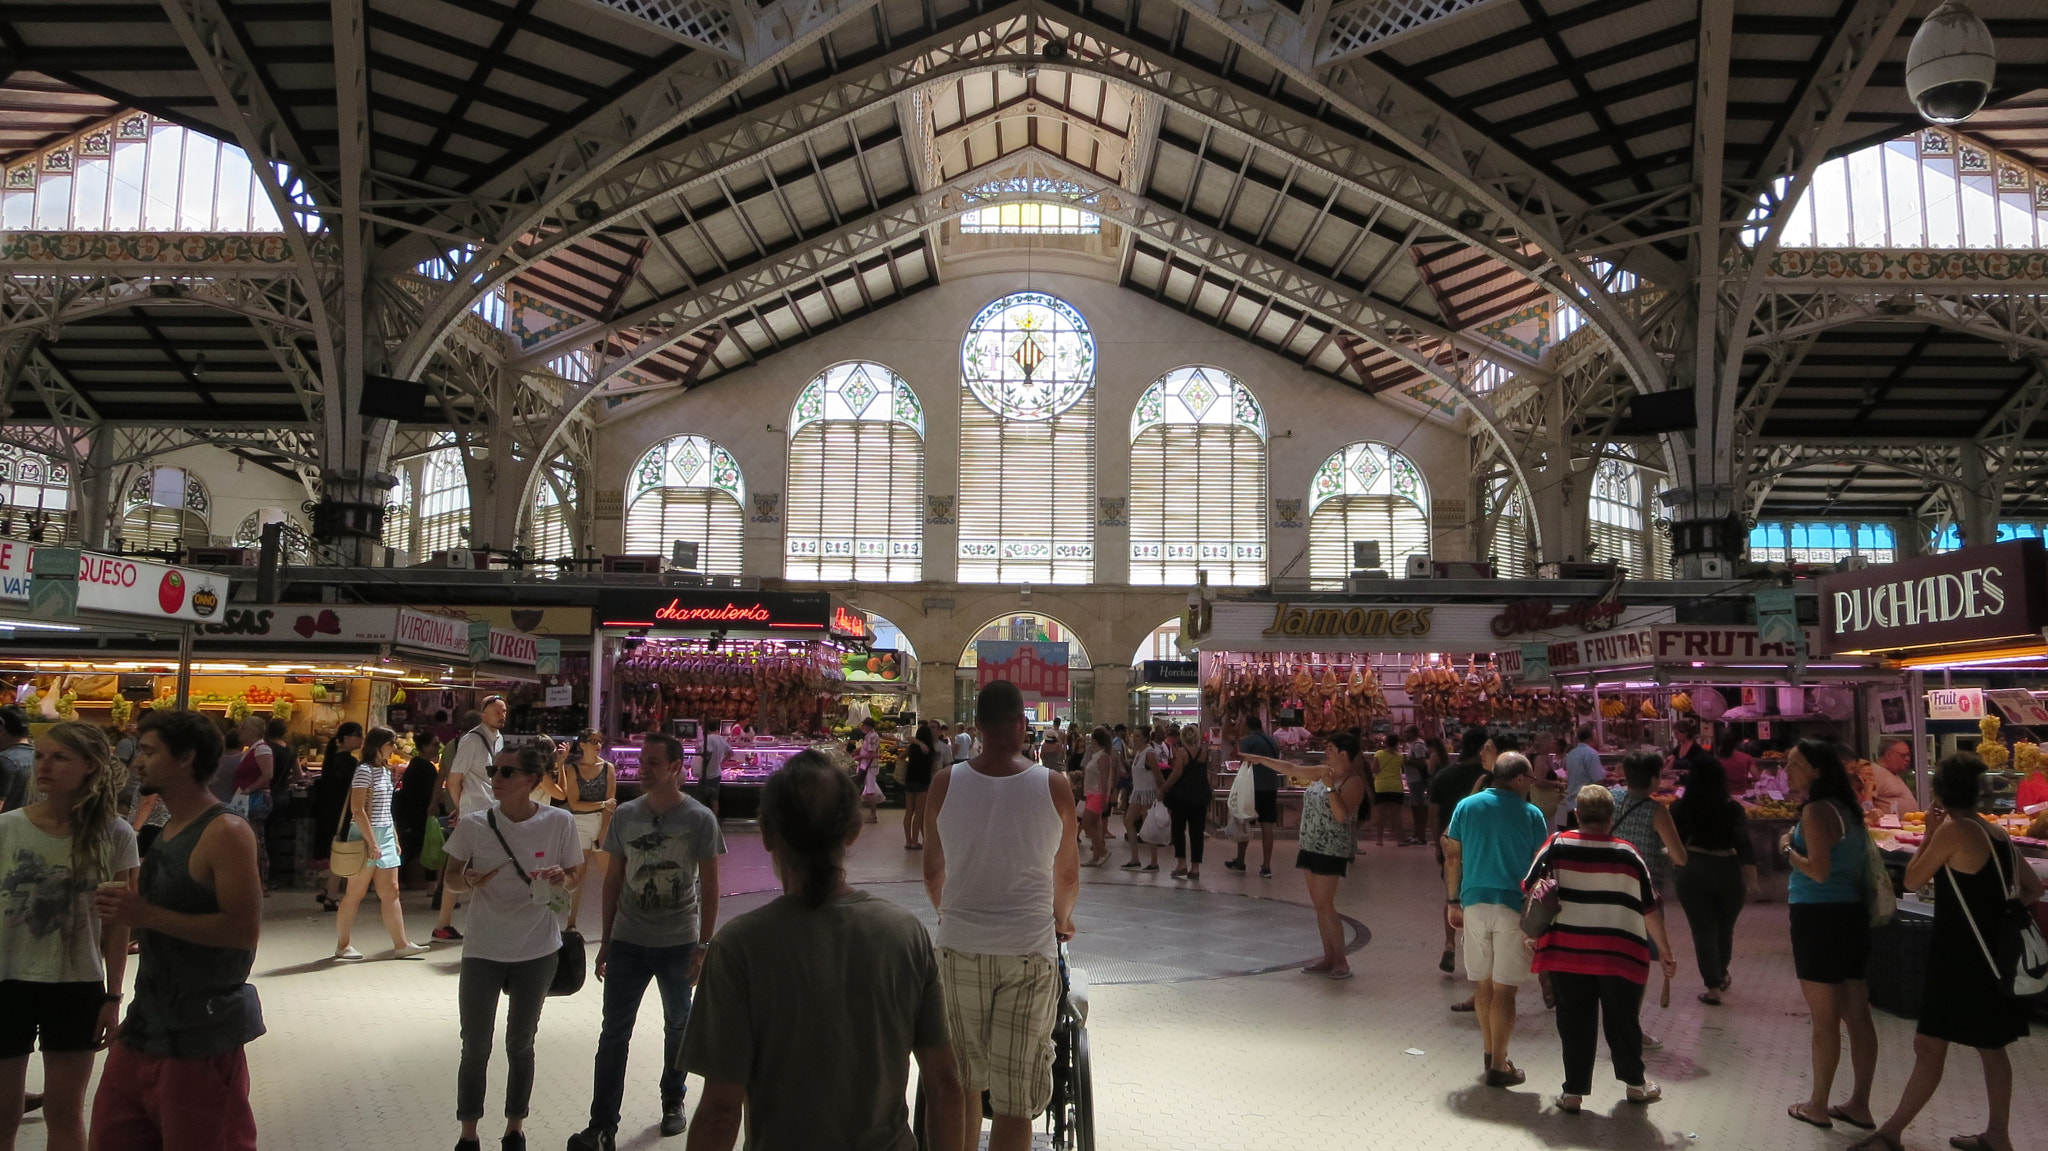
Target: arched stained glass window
(249, 534)
(550, 521)
(688, 488)
(398, 512)
(856, 478)
(444, 504)
(166, 509)
(34, 485)
(1198, 480)
(1617, 528)
(1027, 443)
(1365, 491)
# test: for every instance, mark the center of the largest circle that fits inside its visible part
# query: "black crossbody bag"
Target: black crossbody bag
(569, 963)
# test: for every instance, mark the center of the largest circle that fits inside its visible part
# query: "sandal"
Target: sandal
(1877, 1141)
(1711, 998)
(1647, 1093)
(1319, 967)
(1570, 1104)
(1340, 973)
(1468, 1005)
(1795, 1112)
(1844, 1116)
(1970, 1143)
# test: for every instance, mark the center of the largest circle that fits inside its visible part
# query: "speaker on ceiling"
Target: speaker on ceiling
(389, 398)
(1653, 412)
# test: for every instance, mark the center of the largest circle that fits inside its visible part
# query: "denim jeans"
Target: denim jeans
(628, 969)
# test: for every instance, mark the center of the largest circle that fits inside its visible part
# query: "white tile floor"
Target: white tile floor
(364, 1055)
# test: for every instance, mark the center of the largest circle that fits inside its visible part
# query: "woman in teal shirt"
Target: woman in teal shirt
(1831, 929)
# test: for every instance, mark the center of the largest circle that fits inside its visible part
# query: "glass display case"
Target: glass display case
(752, 762)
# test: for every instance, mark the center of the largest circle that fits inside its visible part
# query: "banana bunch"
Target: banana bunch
(1681, 702)
(1648, 710)
(1612, 708)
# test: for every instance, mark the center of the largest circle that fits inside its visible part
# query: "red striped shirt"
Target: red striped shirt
(1604, 890)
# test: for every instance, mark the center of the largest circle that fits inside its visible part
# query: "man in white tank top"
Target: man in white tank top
(1005, 895)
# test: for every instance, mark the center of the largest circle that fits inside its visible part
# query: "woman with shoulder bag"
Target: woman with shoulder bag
(369, 801)
(518, 859)
(330, 802)
(1967, 1000)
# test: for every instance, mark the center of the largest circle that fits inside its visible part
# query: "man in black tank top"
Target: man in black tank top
(178, 1077)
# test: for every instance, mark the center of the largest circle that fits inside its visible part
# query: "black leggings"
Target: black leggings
(1712, 891)
(1586, 1005)
(1190, 828)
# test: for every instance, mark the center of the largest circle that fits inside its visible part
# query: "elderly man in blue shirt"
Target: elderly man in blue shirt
(1581, 766)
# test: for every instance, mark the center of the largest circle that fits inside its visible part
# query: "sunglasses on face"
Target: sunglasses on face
(506, 772)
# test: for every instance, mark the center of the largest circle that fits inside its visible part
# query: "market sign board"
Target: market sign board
(2019, 705)
(122, 586)
(1338, 625)
(1970, 597)
(1170, 673)
(1037, 667)
(316, 625)
(1955, 703)
(513, 647)
(1682, 645)
(717, 609)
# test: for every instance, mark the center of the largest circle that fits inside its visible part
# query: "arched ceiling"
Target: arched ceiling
(1376, 189)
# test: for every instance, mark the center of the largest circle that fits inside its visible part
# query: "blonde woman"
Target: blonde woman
(60, 960)
(588, 786)
(369, 802)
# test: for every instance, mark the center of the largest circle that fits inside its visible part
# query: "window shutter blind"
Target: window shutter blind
(1027, 495)
(855, 502)
(1399, 526)
(1198, 502)
(707, 516)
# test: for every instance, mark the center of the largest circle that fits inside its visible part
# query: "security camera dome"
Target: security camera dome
(1950, 65)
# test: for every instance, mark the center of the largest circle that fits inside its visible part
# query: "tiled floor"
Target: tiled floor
(1186, 1056)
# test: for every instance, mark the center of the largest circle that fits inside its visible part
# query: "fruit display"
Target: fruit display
(775, 687)
(1989, 749)
(1774, 809)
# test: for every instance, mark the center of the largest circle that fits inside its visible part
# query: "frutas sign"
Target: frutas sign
(1971, 596)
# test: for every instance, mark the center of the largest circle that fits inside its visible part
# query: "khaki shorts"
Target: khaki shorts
(1495, 948)
(1000, 1010)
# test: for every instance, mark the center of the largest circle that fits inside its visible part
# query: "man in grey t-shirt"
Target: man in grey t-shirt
(660, 902)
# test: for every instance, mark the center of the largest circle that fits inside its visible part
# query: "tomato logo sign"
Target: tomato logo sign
(170, 594)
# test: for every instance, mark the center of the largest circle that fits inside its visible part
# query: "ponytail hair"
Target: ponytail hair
(808, 810)
(96, 802)
(343, 732)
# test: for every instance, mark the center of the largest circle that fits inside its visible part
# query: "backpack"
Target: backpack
(2019, 961)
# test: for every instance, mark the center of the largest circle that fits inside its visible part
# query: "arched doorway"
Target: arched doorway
(1049, 640)
(1164, 683)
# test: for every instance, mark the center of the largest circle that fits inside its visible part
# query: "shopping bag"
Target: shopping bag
(433, 847)
(1157, 828)
(1242, 804)
(1236, 829)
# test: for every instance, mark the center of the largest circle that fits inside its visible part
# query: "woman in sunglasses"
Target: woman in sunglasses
(587, 785)
(520, 860)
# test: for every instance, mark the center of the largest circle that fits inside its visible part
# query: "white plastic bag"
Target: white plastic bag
(1242, 804)
(1237, 830)
(1157, 828)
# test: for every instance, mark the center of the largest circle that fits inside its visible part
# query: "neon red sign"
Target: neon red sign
(675, 612)
(849, 623)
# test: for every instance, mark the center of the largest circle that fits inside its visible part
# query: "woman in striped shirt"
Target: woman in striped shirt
(1597, 950)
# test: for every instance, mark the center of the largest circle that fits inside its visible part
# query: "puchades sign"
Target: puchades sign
(1974, 596)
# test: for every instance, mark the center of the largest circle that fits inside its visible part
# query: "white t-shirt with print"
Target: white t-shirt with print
(48, 933)
(505, 924)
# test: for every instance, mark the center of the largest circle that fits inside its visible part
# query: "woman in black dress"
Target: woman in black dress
(917, 780)
(1972, 864)
(330, 798)
(411, 806)
(1188, 795)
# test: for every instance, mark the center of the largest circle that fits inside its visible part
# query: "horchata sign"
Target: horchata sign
(1975, 596)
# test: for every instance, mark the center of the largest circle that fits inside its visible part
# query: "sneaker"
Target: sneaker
(1133, 865)
(448, 934)
(592, 1139)
(468, 1145)
(1652, 1043)
(1265, 873)
(348, 953)
(32, 1101)
(408, 951)
(672, 1122)
(1234, 864)
(1445, 963)
(512, 1141)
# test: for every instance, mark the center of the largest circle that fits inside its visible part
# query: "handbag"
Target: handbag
(570, 967)
(248, 771)
(434, 846)
(2020, 965)
(345, 856)
(1878, 897)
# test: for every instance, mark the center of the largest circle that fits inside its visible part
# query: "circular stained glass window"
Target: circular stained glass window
(1028, 356)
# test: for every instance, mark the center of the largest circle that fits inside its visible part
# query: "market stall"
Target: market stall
(1168, 689)
(766, 669)
(1308, 667)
